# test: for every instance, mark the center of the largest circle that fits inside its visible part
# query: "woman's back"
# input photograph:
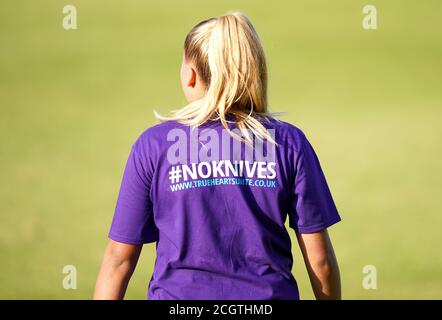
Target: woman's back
(217, 208)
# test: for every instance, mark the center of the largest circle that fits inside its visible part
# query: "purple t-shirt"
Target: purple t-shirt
(216, 207)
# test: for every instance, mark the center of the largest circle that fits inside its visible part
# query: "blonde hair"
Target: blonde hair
(230, 60)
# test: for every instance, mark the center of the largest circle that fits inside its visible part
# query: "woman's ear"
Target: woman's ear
(192, 77)
(190, 83)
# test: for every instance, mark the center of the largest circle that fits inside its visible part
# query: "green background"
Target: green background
(73, 101)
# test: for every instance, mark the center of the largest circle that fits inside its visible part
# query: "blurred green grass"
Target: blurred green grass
(72, 102)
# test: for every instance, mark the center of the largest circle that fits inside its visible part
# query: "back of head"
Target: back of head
(230, 60)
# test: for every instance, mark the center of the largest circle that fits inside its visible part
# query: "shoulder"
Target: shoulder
(287, 134)
(153, 138)
(158, 132)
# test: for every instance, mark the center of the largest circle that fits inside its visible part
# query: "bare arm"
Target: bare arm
(118, 264)
(322, 267)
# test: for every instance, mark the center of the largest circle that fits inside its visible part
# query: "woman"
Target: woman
(213, 184)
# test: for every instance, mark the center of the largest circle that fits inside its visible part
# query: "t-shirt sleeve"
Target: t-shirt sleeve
(313, 208)
(133, 221)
